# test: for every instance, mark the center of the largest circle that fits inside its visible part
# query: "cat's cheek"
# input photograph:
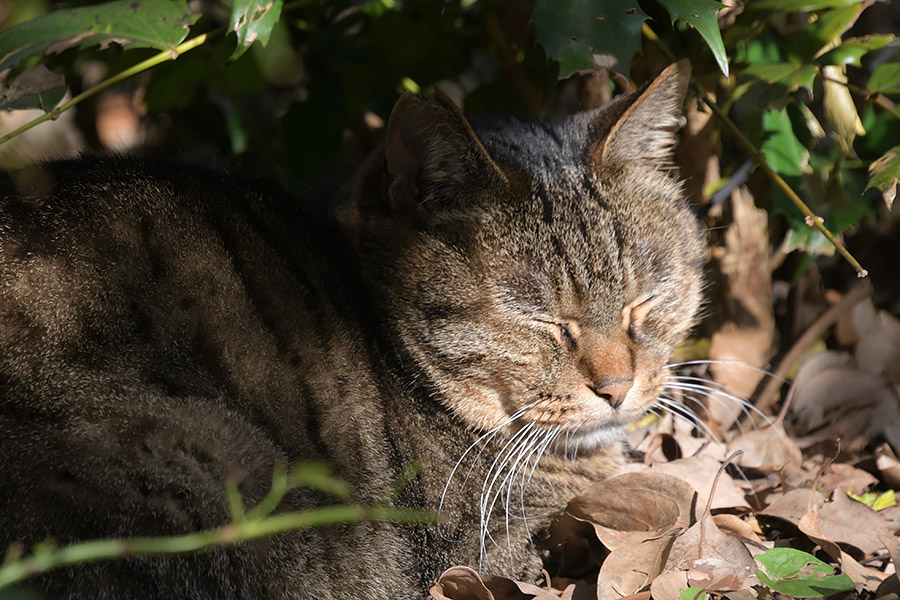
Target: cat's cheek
(480, 406)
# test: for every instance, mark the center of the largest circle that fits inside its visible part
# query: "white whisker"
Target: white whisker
(733, 363)
(714, 387)
(486, 437)
(496, 469)
(677, 409)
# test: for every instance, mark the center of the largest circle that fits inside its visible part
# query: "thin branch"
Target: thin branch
(759, 159)
(233, 533)
(769, 393)
(245, 525)
(164, 56)
(875, 98)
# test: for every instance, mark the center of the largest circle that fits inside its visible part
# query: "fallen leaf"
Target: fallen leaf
(830, 385)
(637, 516)
(723, 559)
(842, 520)
(668, 586)
(700, 472)
(875, 335)
(888, 465)
(768, 449)
(633, 507)
(839, 476)
(633, 566)
(739, 351)
(460, 583)
(737, 526)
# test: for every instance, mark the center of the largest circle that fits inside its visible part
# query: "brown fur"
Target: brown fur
(164, 328)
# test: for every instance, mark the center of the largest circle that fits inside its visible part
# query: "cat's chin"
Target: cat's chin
(586, 441)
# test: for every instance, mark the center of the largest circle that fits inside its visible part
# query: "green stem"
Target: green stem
(165, 55)
(233, 533)
(760, 160)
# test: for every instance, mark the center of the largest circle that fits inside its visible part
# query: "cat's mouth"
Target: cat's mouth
(582, 422)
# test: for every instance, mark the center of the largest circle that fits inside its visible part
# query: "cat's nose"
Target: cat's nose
(613, 392)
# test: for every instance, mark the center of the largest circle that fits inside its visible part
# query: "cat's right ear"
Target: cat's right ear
(432, 158)
(640, 127)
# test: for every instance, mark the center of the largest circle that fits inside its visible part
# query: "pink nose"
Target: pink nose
(613, 392)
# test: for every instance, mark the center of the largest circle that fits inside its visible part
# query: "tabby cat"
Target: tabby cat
(478, 297)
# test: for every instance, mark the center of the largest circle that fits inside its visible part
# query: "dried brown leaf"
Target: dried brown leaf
(636, 516)
(830, 385)
(842, 520)
(735, 525)
(740, 350)
(847, 521)
(632, 566)
(714, 560)
(811, 524)
(668, 586)
(768, 449)
(839, 476)
(632, 507)
(740, 356)
(889, 466)
(460, 583)
(502, 588)
(700, 472)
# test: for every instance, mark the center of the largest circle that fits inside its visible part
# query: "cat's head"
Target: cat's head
(540, 268)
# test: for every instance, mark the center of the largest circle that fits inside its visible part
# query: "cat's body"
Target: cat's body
(162, 329)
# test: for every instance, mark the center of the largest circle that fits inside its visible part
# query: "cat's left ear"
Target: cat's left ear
(433, 159)
(641, 127)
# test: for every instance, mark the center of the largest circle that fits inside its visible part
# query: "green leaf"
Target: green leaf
(885, 79)
(800, 5)
(874, 500)
(158, 24)
(790, 74)
(253, 20)
(799, 574)
(853, 49)
(693, 593)
(811, 39)
(35, 88)
(884, 175)
(701, 15)
(573, 30)
(783, 151)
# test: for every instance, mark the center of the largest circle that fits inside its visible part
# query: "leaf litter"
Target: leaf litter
(792, 513)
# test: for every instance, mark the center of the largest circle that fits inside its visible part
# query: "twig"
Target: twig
(875, 98)
(760, 160)
(768, 395)
(233, 533)
(164, 56)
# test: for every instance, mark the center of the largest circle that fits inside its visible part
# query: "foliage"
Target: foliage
(783, 70)
(259, 521)
(799, 574)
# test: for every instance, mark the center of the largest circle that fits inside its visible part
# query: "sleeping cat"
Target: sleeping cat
(495, 300)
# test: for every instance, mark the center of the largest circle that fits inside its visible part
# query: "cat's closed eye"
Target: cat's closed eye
(635, 313)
